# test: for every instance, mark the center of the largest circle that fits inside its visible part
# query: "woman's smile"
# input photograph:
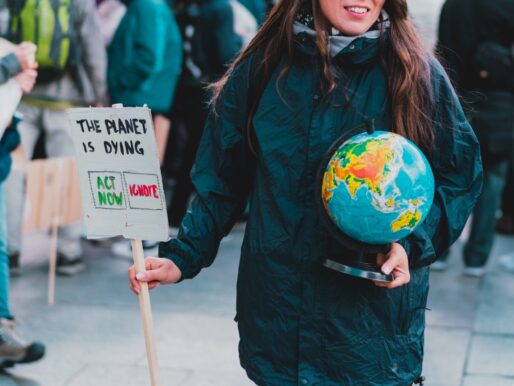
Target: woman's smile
(351, 17)
(357, 11)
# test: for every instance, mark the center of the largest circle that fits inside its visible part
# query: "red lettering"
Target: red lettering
(143, 190)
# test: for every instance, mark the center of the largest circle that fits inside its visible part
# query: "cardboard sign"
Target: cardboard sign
(41, 208)
(120, 177)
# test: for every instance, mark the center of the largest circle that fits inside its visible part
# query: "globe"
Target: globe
(377, 187)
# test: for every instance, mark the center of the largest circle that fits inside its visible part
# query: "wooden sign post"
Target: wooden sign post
(146, 313)
(121, 187)
(55, 219)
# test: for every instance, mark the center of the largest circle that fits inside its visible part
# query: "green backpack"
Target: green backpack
(49, 25)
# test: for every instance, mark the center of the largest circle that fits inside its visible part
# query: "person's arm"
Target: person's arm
(222, 177)
(93, 53)
(457, 168)
(149, 45)
(9, 67)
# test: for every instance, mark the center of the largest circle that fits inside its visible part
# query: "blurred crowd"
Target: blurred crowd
(71, 53)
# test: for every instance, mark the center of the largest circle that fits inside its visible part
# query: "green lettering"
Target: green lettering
(118, 199)
(109, 186)
(110, 199)
(99, 183)
(102, 199)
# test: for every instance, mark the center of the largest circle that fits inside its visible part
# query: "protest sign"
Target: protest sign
(121, 187)
(119, 173)
(41, 205)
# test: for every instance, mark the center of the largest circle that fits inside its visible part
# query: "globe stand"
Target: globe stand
(363, 267)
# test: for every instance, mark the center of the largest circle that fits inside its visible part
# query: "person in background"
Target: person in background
(110, 13)
(257, 8)
(475, 39)
(21, 65)
(245, 24)
(210, 43)
(145, 59)
(67, 78)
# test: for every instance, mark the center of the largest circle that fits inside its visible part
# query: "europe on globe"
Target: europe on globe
(377, 187)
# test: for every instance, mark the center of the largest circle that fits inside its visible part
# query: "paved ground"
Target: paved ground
(94, 334)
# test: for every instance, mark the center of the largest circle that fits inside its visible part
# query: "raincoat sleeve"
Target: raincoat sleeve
(221, 177)
(457, 169)
(9, 67)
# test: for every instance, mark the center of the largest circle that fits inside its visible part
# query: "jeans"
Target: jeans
(4, 259)
(480, 243)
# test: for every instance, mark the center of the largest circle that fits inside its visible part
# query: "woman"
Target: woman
(327, 66)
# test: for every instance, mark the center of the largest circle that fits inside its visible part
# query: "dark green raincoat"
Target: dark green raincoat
(300, 323)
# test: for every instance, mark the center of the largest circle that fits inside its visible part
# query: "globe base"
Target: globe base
(367, 273)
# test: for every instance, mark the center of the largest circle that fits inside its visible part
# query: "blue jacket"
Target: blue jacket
(10, 141)
(9, 67)
(145, 56)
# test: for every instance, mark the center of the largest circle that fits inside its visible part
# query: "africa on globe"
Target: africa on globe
(377, 188)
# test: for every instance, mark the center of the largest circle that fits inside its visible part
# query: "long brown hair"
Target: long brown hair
(405, 62)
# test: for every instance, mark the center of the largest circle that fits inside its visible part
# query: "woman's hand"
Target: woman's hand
(395, 262)
(26, 79)
(158, 271)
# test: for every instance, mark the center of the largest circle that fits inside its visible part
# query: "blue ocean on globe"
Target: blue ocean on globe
(378, 188)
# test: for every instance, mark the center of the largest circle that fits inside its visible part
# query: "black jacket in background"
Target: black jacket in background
(215, 43)
(464, 25)
(475, 45)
